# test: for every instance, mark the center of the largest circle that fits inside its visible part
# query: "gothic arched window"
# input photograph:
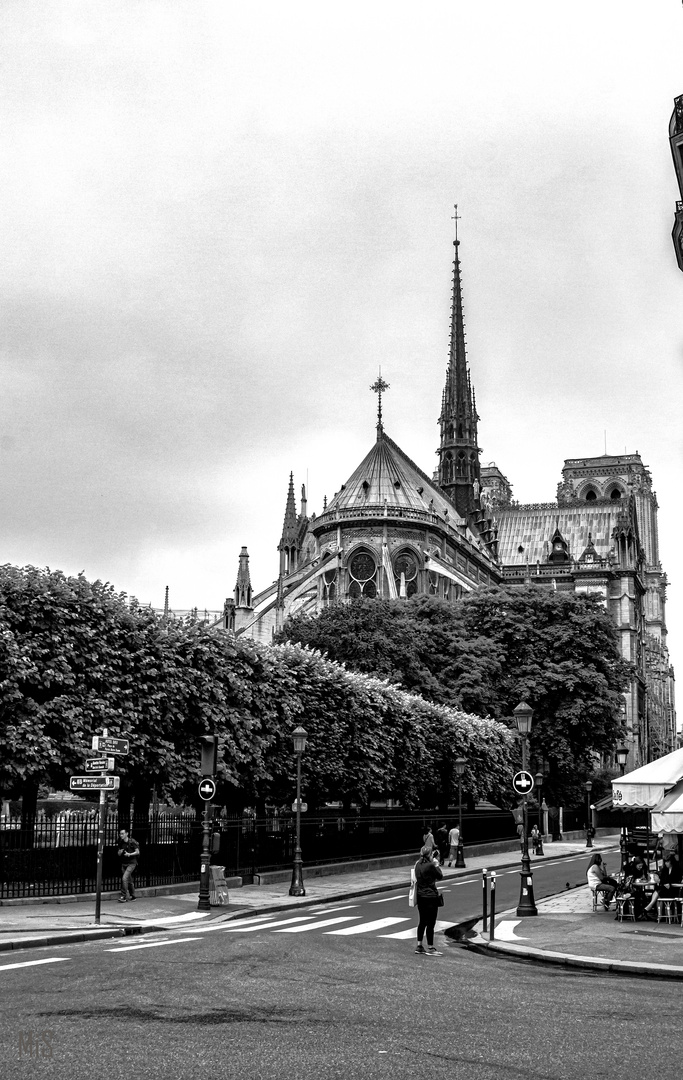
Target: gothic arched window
(363, 574)
(329, 587)
(405, 573)
(591, 496)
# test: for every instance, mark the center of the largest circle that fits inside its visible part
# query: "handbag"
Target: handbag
(412, 892)
(441, 900)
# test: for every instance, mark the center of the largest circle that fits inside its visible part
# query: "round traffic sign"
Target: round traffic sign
(207, 789)
(523, 782)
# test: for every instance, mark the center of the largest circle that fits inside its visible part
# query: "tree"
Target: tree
(485, 654)
(422, 645)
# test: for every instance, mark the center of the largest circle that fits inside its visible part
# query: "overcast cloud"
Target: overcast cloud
(219, 219)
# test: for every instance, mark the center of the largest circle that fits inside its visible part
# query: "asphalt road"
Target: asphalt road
(308, 998)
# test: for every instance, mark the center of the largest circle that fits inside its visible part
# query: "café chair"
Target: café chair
(668, 909)
(626, 908)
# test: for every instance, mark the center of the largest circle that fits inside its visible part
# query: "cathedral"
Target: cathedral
(393, 531)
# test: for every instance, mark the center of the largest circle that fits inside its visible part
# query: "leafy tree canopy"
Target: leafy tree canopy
(486, 653)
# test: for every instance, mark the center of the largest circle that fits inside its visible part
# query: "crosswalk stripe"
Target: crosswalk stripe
(366, 928)
(265, 926)
(403, 935)
(32, 963)
(386, 899)
(315, 925)
(330, 910)
(153, 944)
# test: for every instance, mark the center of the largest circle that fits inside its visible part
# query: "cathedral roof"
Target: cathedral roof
(525, 532)
(387, 476)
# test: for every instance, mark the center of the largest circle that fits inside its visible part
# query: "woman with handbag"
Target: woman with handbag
(428, 898)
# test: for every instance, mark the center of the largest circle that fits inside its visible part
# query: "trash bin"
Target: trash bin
(218, 888)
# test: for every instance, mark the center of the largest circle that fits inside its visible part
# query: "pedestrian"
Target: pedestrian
(534, 839)
(128, 852)
(428, 840)
(442, 841)
(453, 844)
(427, 873)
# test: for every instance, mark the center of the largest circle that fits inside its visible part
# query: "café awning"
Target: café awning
(646, 787)
(667, 816)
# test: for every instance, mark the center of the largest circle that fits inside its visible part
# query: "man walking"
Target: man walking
(453, 841)
(128, 853)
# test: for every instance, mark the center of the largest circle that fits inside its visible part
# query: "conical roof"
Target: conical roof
(387, 476)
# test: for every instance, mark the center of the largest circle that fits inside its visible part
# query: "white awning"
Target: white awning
(647, 786)
(667, 816)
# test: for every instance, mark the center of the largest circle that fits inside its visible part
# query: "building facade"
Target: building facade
(392, 531)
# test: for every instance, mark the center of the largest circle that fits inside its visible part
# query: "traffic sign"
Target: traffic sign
(99, 764)
(94, 783)
(106, 745)
(304, 807)
(207, 789)
(523, 782)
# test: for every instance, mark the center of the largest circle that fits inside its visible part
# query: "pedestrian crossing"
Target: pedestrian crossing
(313, 922)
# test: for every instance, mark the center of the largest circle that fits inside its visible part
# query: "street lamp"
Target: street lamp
(297, 886)
(460, 764)
(622, 757)
(589, 838)
(523, 715)
(539, 784)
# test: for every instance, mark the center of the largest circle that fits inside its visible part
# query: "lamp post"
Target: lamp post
(523, 715)
(460, 764)
(539, 784)
(622, 757)
(589, 830)
(297, 886)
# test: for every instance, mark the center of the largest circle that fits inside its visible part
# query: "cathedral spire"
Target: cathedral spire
(288, 546)
(458, 470)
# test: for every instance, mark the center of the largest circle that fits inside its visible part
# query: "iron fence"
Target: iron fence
(57, 856)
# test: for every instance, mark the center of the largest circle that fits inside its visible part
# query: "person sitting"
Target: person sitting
(603, 886)
(636, 873)
(670, 874)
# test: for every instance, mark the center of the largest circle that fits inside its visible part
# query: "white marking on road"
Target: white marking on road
(366, 928)
(403, 935)
(265, 925)
(316, 925)
(32, 963)
(505, 930)
(189, 916)
(153, 944)
(330, 910)
(400, 896)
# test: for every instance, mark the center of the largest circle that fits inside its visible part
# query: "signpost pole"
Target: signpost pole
(101, 822)
(204, 903)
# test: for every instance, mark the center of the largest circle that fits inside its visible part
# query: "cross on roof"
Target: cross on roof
(378, 387)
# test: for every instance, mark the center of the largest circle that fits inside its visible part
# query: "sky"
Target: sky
(220, 219)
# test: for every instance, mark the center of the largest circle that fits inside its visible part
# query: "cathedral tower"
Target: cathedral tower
(458, 471)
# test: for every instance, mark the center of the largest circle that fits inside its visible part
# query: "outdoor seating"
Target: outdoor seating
(626, 908)
(668, 910)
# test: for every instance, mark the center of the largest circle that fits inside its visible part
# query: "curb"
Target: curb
(597, 963)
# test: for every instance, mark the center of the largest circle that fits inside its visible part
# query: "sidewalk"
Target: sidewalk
(33, 925)
(568, 932)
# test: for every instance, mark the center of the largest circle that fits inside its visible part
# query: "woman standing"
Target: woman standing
(427, 873)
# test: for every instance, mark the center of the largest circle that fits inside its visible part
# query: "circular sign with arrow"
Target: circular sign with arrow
(523, 782)
(207, 789)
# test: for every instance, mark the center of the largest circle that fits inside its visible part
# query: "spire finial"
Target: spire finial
(378, 387)
(456, 217)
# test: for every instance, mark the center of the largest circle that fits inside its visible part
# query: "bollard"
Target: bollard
(492, 916)
(485, 911)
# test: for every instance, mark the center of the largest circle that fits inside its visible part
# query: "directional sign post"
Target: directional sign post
(99, 764)
(103, 744)
(94, 783)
